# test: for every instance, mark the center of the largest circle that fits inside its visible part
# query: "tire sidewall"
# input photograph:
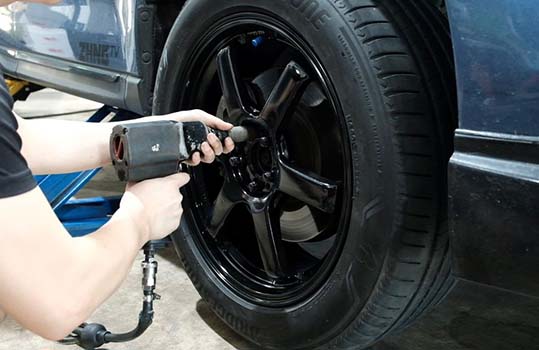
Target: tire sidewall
(369, 233)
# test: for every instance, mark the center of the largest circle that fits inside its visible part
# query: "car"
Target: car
(396, 152)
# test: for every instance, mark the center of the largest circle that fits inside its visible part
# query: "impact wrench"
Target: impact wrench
(143, 151)
(156, 149)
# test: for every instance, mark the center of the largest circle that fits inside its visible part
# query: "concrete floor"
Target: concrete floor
(183, 321)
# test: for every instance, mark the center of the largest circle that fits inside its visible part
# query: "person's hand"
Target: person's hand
(155, 205)
(213, 147)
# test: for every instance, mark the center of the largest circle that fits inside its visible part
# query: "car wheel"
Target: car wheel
(328, 228)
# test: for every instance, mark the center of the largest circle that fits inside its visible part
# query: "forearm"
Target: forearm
(52, 282)
(89, 273)
(105, 259)
(57, 146)
(52, 147)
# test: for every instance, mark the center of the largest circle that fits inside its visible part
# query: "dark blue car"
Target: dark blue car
(401, 163)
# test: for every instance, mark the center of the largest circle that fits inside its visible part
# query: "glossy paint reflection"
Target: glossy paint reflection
(96, 32)
(496, 44)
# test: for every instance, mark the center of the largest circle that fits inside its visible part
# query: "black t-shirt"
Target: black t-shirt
(15, 177)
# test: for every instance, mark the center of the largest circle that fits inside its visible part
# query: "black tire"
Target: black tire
(390, 65)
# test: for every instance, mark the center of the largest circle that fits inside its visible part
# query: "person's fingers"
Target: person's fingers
(198, 115)
(217, 123)
(216, 144)
(211, 120)
(208, 155)
(229, 145)
(181, 179)
(195, 159)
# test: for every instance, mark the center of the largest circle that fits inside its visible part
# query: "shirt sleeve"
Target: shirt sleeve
(15, 176)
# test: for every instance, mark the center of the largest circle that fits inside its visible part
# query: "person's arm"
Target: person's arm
(57, 146)
(50, 282)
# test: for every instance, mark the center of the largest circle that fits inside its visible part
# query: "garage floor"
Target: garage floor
(183, 321)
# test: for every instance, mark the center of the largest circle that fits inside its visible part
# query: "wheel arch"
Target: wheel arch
(154, 21)
(166, 13)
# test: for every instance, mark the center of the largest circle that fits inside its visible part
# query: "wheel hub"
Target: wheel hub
(254, 165)
(255, 169)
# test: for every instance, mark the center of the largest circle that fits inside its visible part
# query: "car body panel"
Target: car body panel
(84, 47)
(494, 172)
(497, 57)
(94, 32)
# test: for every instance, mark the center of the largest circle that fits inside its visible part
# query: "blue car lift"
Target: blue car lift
(81, 216)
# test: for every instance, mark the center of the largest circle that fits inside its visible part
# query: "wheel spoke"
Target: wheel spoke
(227, 199)
(307, 187)
(283, 95)
(231, 84)
(268, 234)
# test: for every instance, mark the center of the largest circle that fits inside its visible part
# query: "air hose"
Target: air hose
(92, 336)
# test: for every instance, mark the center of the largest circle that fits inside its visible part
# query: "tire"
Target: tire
(389, 66)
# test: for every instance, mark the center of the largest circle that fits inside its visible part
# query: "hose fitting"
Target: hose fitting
(92, 336)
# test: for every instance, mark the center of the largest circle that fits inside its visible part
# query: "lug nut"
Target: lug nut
(252, 186)
(235, 161)
(268, 176)
(264, 142)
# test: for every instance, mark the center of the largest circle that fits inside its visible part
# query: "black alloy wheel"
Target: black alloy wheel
(327, 229)
(286, 187)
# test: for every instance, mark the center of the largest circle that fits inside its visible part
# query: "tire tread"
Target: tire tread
(417, 273)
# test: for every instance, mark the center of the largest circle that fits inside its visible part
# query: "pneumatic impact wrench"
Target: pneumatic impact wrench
(142, 151)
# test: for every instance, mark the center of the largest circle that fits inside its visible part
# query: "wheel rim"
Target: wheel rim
(272, 224)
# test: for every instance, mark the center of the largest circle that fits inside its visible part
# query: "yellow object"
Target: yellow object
(15, 86)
